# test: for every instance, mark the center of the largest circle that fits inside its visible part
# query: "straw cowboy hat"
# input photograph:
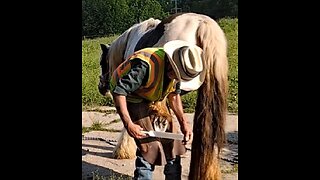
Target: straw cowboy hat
(187, 62)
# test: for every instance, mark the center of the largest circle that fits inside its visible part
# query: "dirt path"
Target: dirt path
(96, 154)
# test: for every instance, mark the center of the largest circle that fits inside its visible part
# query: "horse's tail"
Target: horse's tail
(126, 147)
(211, 107)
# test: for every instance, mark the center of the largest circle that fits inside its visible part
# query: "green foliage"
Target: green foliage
(214, 8)
(91, 70)
(144, 9)
(91, 53)
(95, 16)
(107, 17)
(230, 27)
(189, 101)
(166, 5)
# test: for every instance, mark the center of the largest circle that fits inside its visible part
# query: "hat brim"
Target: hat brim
(193, 84)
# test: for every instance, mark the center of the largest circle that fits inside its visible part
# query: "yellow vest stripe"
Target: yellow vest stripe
(153, 89)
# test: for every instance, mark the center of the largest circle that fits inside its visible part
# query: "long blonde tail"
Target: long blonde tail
(211, 107)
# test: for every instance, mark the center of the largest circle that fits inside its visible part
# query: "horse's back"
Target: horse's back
(138, 31)
(155, 33)
(184, 27)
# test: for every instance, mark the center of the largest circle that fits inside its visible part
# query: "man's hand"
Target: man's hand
(176, 105)
(134, 131)
(121, 106)
(186, 130)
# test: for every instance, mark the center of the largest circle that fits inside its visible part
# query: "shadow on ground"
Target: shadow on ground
(102, 154)
(232, 137)
(99, 172)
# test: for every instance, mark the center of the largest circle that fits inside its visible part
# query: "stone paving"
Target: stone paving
(96, 156)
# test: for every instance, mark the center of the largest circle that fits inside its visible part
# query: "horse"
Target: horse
(121, 49)
(211, 105)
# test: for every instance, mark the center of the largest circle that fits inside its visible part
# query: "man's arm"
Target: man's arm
(176, 105)
(126, 85)
(134, 130)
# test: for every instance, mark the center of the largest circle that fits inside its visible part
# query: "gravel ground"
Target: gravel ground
(96, 154)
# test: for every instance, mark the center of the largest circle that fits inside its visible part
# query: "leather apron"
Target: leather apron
(154, 150)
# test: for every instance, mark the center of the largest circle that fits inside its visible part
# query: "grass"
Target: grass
(234, 169)
(96, 126)
(113, 121)
(98, 109)
(91, 70)
(230, 27)
(99, 126)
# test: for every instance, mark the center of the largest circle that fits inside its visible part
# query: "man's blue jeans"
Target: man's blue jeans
(144, 170)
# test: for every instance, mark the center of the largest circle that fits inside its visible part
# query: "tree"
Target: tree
(213, 8)
(105, 17)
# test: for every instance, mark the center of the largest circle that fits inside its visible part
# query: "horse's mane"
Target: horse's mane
(122, 47)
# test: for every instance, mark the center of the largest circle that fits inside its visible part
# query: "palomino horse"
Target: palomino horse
(211, 106)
